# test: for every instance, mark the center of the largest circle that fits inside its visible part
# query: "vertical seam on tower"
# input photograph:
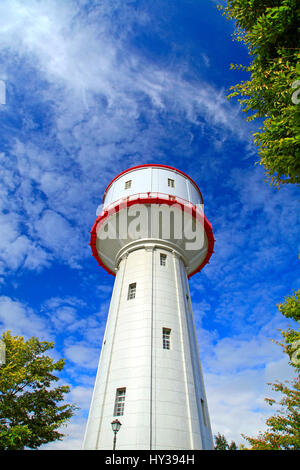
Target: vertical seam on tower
(151, 348)
(188, 190)
(111, 350)
(183, 353)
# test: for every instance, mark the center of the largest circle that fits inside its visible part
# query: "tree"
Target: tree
(283, 431)
(232, 446)
(31, 407)
(270, 30)
(222, 444)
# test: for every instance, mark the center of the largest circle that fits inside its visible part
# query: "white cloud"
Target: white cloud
(58, 235)
(81, 395)
(238, 366)
(205, 59)
(83, 354)
(73, 433)
(232, 354)
(63, 317)
(21, 319)
(73, 317)
(236, 394)
(18, 250)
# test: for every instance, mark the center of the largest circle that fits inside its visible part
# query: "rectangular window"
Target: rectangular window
(203, 412)
(127, 184)
(171, 183)
(131, 291)
(166, 338)
(119, 402)
(163, 259)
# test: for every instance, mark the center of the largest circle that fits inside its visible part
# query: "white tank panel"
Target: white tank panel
(153, 180)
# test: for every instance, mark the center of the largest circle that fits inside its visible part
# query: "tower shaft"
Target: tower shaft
(149, 373)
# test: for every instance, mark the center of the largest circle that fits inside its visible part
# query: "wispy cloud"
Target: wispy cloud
(21, 319)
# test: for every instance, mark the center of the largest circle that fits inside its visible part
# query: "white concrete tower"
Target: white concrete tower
(152, 235)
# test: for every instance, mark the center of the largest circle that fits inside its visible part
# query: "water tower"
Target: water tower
(152, 235)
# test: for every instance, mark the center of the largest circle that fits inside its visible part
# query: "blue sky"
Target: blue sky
(92, 88)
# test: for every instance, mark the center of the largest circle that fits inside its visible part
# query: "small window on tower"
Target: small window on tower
(131, 291)
(119, 401)
(166, 338)
(171, 183)
(127, 184)
(163, 259)
(203, 412)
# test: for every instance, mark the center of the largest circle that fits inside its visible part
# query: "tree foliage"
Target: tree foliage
(31, 407)
(222, 444)
(283, 431)
(270, 30)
